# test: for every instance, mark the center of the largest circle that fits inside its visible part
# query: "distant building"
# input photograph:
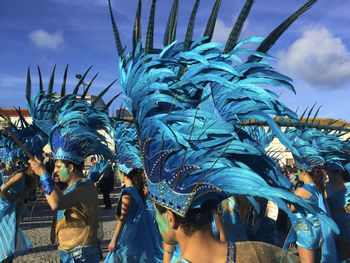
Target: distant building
(14, 116)
(275, 148)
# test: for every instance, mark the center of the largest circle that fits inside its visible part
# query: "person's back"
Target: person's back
(136, 238)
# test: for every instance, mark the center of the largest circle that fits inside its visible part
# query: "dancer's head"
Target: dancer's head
(171, 225)
(134, 177)
(317, 175)
(66, 169)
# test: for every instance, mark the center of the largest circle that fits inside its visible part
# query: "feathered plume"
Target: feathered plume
(127, 148)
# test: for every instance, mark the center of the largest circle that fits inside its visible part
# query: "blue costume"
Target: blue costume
(309, 236)
(11, 209)
(315, 148)
(72, 125)
(337, 202)
(138, 241)
(8, 221)
(235, 230)
(190, 101)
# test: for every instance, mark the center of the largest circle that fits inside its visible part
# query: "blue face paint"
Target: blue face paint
(299, 175)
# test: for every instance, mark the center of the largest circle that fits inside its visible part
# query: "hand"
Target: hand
(37, 166)
(111, 245)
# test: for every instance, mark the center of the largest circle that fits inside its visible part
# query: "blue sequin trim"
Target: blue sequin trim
(47, 183)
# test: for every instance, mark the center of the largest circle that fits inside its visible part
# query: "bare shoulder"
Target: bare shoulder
(17, 177)
(126, 198)
(302, 193)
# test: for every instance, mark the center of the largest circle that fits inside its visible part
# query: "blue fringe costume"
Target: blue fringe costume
(140, 240)
(8, 221)
(337, 202)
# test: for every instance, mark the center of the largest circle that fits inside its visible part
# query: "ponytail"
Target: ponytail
(136, 175)
(318, 175)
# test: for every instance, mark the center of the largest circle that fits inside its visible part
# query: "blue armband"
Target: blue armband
(47, 183)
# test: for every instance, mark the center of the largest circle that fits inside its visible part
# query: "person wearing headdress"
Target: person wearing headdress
(136, 237)
(338, 192)
(16, 186)
(189, 101)
(314, 240)
(102, 175)
(73, 137)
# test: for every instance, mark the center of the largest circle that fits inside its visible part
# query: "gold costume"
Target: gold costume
(79, 225)
(253, 251)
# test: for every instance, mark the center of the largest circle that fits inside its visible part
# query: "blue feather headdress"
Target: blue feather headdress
(76, 134)
(127, 148)
(43, 110)
(97, 170)
(189, 101)
(315, 148)
(190, 152)
(32, 138)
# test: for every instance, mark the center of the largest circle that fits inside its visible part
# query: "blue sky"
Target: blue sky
(315, 51)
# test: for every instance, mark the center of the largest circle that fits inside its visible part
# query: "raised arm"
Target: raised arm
(12, 182)
(126, 204)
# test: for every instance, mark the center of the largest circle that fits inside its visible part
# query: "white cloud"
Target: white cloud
(221, 31)
(43, 39)
(318, 57)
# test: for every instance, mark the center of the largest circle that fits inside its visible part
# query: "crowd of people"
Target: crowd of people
(198, 183)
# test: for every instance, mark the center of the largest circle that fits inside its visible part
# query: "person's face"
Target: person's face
(9, 166)
(301, 175)
(121, 176)
(62, 171)
(164, 225)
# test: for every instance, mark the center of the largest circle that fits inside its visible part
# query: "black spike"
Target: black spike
(111, 101)
(313, 120)
(63, 90)
(150, 29)
(88, 86)
(302, 116)
(237, 28)
(28, 87)
(76, 89)
(310, 111)
(209, 30)
(136, 36)
(52, 78)
(118, 43)
(190, 27)
(102, 93)
(170, 31)
(270, 40)
(41, 86)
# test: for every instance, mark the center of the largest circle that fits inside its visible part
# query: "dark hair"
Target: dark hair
(79, 167)
(345, 175)
(31, 179)
(318, 175)
(136, 176)
(195, 219)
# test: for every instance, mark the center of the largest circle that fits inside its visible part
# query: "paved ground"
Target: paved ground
(38, 226)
